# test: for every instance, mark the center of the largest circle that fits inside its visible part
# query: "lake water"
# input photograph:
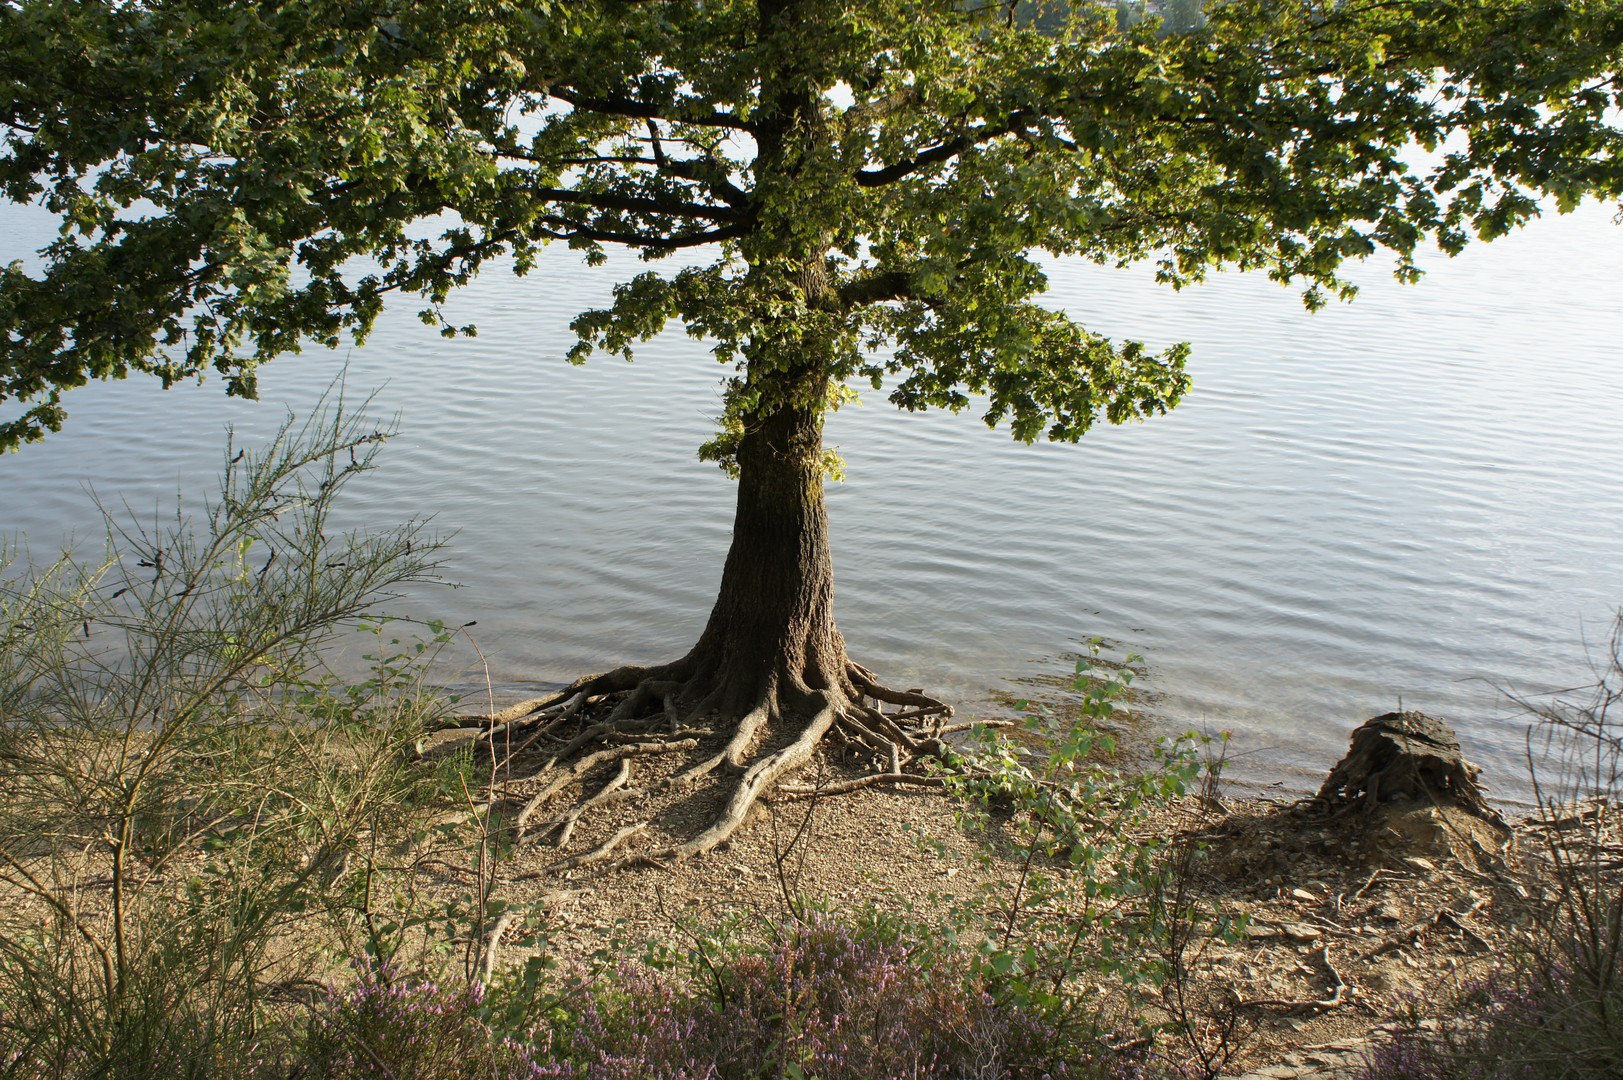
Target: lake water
(1419, 494)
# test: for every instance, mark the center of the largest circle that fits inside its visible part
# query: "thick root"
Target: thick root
(602, 851)
(630, 714)
(757, 778)
(787, 793)
(586, 764)
(607, 791)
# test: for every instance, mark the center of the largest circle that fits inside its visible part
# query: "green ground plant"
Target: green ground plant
(1094, 928)
(195, 815)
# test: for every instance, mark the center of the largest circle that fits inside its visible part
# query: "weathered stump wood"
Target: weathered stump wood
(1405, 755)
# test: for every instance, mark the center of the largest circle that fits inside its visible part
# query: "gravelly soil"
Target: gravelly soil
(1347, 917)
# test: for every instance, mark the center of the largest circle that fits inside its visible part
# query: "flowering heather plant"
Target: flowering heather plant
(392, 1028)
(825, 1002)
(1514, 1025)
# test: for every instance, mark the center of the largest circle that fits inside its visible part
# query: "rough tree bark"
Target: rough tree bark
(770, 666)
(771, 632)
(1407, 756)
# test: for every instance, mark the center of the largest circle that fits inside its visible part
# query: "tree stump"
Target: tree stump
(1405, 755)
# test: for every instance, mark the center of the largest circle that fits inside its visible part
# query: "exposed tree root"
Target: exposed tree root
(592, 734)
(757, 778)
(604, 794)
(586, 764)
(602, 851)
(787, 793)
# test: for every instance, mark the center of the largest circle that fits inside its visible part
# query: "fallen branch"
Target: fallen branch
(1331, 1002)
(493, 940)
(951, 728)
(1464, 929)
(551, 723)
(1378, 872)
(1408, 933)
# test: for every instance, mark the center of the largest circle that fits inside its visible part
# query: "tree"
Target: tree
(872, 175)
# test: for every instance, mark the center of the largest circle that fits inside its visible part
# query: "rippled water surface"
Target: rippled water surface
(1418, 494)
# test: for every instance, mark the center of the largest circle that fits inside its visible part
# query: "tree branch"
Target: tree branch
(876, 288)
(937, 154)
(555, 228)
(642, 110)
(709, 173)
(607, 200)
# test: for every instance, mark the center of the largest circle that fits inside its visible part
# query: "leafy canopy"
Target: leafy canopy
(238, 178)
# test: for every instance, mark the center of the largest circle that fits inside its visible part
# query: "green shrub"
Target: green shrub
(1097, 897)
(184, 783)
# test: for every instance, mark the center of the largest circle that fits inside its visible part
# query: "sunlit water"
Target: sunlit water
(1417, 495)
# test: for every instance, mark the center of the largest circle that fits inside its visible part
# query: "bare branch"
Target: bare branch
(937, 154)
(605, 200)
(556, 228)
(642, 110)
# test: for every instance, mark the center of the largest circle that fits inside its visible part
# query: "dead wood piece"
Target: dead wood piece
(1365, 886)
(952, 728)
(1404, 755)
(549, 720)
(551, 716)
(1568, 815)
(566, 698)
(1413, 930)
(1393, 941)
(1331, 1002)
(492, 942)
(1464, 928)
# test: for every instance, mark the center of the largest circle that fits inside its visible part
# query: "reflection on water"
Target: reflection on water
(1419, 494)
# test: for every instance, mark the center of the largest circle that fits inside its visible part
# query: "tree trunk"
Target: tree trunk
(769, 653)
(771, 636)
